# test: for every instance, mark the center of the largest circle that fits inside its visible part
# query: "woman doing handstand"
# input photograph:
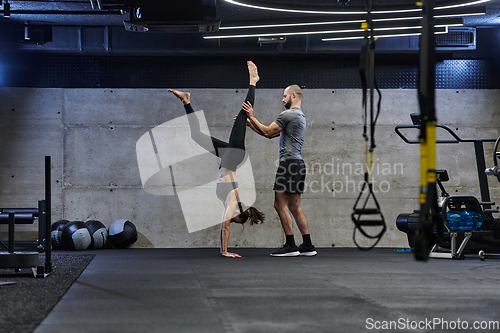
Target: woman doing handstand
(232, 154)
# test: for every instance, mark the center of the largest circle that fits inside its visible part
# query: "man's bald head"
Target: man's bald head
(295, 89)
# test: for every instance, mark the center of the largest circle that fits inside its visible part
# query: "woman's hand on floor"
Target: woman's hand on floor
(231, 255)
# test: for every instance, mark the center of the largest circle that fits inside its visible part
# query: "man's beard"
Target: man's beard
(288, 104)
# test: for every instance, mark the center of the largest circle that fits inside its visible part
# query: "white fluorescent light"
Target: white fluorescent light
(333, 22)
(288, 25)
(458, 15)
(395, 11)
(283, 34)
(397, 19)
(361, 18)
(361, 37)
(289, 10)
(398, 28)
(321, 32)
(314, 23)
(341, 12)
(322, 11)
(463, 4)
(379, 36)
(448, 25)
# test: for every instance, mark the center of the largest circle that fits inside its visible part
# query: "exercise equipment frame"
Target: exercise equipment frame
(23, 259)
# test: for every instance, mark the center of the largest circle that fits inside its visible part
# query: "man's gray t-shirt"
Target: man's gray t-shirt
(293, 123)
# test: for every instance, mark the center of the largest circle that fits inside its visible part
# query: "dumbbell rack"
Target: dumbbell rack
(29, 259)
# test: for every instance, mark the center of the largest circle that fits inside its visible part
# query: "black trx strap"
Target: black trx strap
(430, 225)
(367, 71)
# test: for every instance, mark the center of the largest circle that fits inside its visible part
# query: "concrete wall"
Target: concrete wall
(91, 135)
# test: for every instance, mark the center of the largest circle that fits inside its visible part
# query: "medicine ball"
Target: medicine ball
(76, 235)
(55, 234)
(122, 234)
(99, 233)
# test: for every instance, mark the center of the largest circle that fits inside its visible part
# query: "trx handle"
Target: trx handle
(359, 223)
(366, 211)
(371, 223)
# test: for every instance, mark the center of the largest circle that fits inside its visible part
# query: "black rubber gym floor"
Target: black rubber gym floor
(26, 301)
(340, 290)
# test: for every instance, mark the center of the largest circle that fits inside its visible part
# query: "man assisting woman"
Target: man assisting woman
(289, 183)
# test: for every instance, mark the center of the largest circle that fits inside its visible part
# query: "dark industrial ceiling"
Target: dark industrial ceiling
(80, 26)
(227, 11)
(84, 43)
(84, 14)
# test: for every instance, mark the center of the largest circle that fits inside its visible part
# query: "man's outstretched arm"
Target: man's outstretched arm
(269, 132)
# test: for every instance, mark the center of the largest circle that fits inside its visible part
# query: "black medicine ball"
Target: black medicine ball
(55, 234)
(99, 233)
(76, 235)
(122, 234)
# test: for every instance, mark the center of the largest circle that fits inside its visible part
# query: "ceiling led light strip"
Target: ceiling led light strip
(385, 30)
(239, 3)
(334, 29)
(381, 36)
(325, 32)
(284, 25)
(333, 19)
(264, 26)
(416, 32)
(462, 5)
(384, 18)
(287, 34)
(359, 19)
(361, 37)
(458, 15)
(288, 25)
(351, 10)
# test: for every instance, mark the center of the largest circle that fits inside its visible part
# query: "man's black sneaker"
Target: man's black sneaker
(307, 251)
(287, 251)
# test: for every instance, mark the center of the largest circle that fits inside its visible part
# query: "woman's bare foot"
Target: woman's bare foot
(183, 96)
(254, 75)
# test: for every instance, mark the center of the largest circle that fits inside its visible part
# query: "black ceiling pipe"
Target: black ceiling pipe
(63, 12)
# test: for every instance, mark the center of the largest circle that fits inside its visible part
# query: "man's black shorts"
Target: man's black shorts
(290, 176)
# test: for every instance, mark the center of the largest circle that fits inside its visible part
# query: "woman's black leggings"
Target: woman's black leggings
(232, 153)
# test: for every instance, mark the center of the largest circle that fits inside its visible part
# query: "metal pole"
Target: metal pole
(41, 225)
(481, 166)
(48, 259)
(12, 223)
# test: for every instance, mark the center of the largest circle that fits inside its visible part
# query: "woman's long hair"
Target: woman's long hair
(253, 214)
